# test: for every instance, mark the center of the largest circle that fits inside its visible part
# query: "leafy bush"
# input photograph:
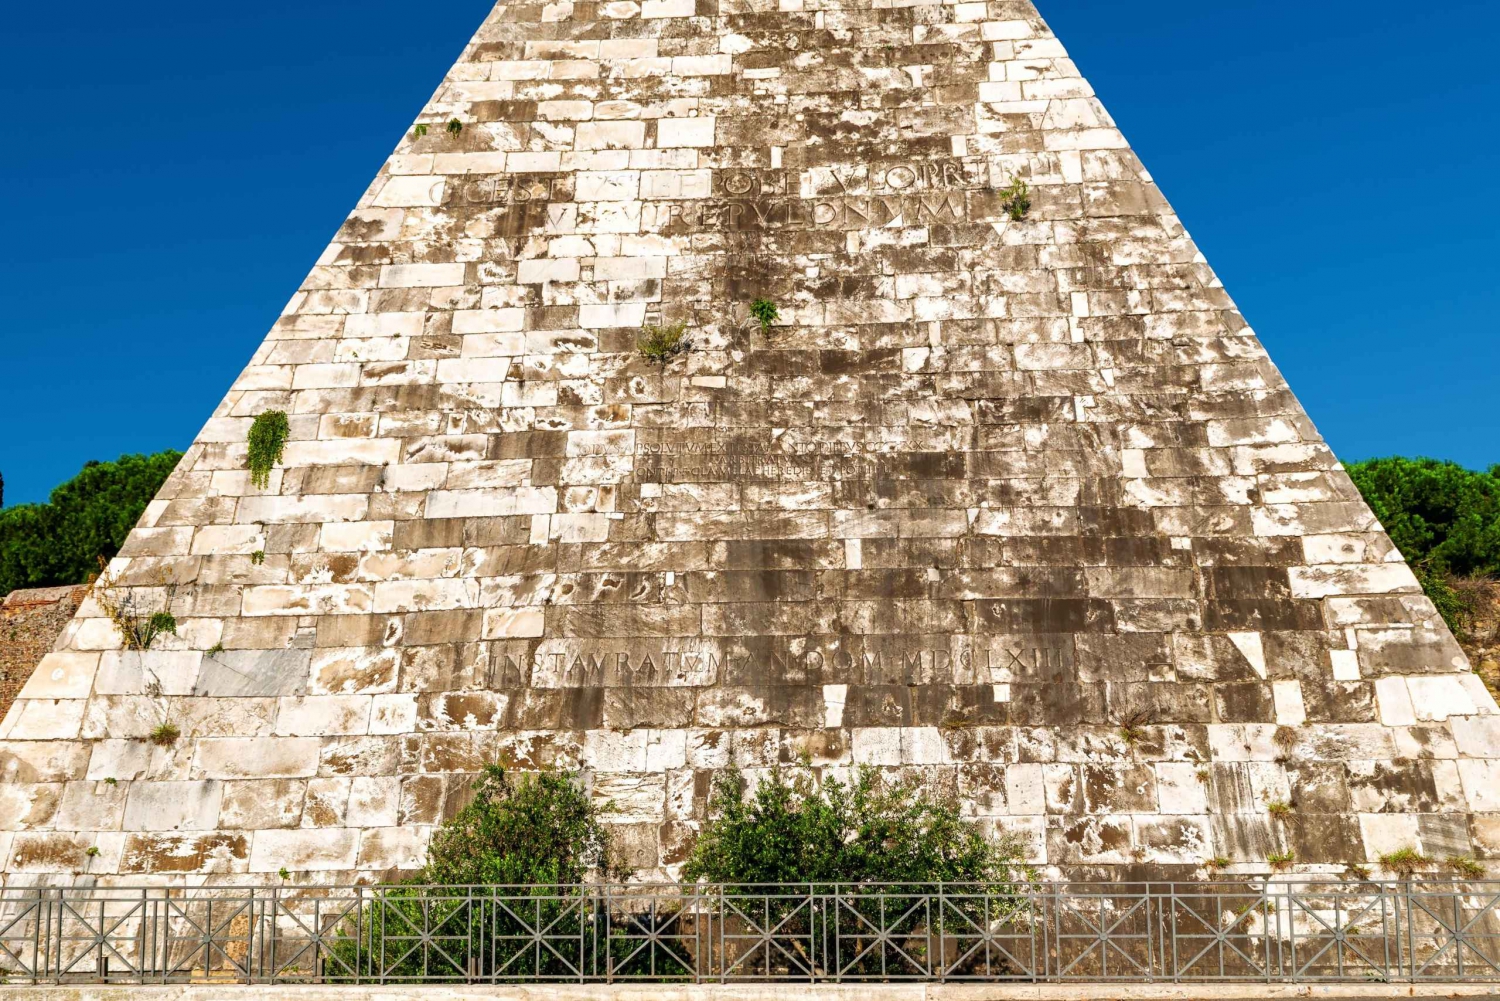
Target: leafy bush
(1444, 518)
(542, 831)
(868, 831)
(880, 840)
(503, 868)
(88, 517)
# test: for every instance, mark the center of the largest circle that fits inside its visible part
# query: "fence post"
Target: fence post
(941, 961)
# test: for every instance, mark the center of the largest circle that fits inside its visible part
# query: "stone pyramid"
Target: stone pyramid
(1009, 499)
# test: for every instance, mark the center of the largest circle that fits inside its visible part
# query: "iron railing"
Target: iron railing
(1239, 932)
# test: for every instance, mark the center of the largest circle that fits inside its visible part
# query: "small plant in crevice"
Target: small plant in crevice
(111, 781)
(282, 872)
(455, 126)
(267, 442)
(765, 311)
(1016, 200)
(92, 851)
(1204, 774)
(165, 734)
(661, 344)
(140, 615)
(258, 557)
(1133, 726)
(1405, 862)
(1465, 866)
(1353, 870)
(1279, 808)
(1217, 864)
(419, 131)
(1281, 861)
(215, 650)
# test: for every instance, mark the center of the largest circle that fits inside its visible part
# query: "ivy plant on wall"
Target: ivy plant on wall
(267, 442)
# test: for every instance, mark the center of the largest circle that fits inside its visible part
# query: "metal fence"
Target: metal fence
(1237, 932)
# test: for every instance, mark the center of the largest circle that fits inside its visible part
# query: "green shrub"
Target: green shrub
(1438, 514)
(542, 830)
(877, 838)
(86, 519)
(503, 866)
(1444, 518)
(267, 442)
(869, 831)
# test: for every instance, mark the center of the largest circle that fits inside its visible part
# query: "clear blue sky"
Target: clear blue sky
(172, 171)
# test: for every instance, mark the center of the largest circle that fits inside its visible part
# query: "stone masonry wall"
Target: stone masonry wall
(1015, 506)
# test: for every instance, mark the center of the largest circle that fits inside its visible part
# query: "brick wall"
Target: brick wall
(30, 622)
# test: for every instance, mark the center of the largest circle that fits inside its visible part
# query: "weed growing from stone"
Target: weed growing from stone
(1405, 862)
(1465, 866)
(92, 851)
(1285, 737)
(215, 650)
(661, 344)
(165, 734)
(1133, 727)
(111, 781)
(419, 131)
(1354, 870)
(1217, 864)
(1016, 200)
(455, 127)
(140, 616)
(258, 557)
(766, 312)
(282, 872)
(267, 441)
(1281, 861)
(1278, 808)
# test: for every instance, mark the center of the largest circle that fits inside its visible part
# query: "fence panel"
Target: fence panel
(1246, 931)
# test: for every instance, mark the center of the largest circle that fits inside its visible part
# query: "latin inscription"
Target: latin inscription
(804, 660)
(858, 196)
